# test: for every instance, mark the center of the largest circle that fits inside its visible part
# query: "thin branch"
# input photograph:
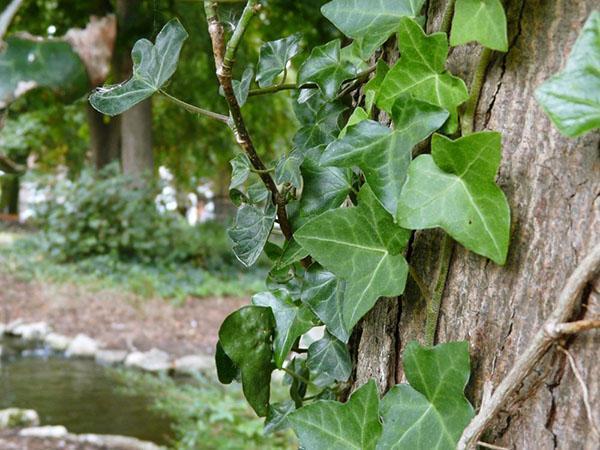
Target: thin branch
(492, 446)
(359, 79)
(195, 109)
(584, 390)
(296, 376)
(7, 16)
(280, 87)
(224, 60)
(7, 165)
(573, 327)
(423, 288)
(540, 344)
(447, 18)
(468, 117)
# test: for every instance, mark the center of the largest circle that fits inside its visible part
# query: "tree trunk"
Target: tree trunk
(553, 185)
(104, 138)
(136, 140)
(9, 194)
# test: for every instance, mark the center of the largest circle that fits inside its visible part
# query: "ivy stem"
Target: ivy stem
(296, 376)
(433, 307)
(446, 24)
(423, 289)
(280, 87)
(194, 109)
(467, 119)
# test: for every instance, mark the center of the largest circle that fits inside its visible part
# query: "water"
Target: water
(79, 394)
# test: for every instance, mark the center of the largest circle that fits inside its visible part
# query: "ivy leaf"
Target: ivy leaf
(277, 416)
(288, 169)
(153, 65)
(372, 87)
(292, 252)
(240, 171)
(384, 154)
(245, 336)
(572, 97)
(358, 115)
(322, 127)
(421, 72)
(227, 371)
(323, 292)
(483, 21)
(298, 387)
(433, 411)
(327, 424)
(329, 361)
(454, 188)
(370, 22)
(292, 321)
(242, 87)
(326, 68)
(251, 231)
(324, 188)
(274, 57)
(363, 246)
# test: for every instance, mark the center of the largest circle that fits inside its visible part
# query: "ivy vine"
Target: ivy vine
(347, 196)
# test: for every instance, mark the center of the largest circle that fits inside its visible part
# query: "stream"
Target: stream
(77, 393)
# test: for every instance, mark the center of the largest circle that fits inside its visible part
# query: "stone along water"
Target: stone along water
(79, 394)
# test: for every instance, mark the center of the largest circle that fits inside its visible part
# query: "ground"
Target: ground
(117, 319)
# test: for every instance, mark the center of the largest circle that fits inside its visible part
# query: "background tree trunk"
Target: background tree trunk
(9, 194)
(553, 187)
(105, 137)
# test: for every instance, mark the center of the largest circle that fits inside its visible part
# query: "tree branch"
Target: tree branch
(540, 344)
(224, 60)
(9, 166)
(280, 87)
(7, 16)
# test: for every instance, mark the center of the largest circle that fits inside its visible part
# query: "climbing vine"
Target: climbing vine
(346, 198)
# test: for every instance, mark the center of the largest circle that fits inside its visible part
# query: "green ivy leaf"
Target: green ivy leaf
(384, 154)
(324, 188)
(433, 411)
(227, 371)
(363, 246)
(572, 97)
(358, 115)
(288, 169)
(353, 54)
(328, 424)
(251, 231)
(372, 87)
(454, 188)
(240, 171)
(292, 253)
(292, 321)
(370, 22)
(323, 292)
(277, 416)
(297, 387)
(328, 361)
(483, 21)
(322, 128)
(245, 336)
(153, 65)
(274, 57)
(29, 63)
(326, 68)
(421, 72)
(242, 88)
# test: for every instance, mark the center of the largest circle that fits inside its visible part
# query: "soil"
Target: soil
(118, 320)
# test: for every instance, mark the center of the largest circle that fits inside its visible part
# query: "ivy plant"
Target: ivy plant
(346, 196)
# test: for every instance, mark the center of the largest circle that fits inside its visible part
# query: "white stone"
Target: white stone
(191, 364)
(50, 431)
(17, 418)
(31, 331)
(112, 441)
(2, 329)
(110, 357)
(82, 346)
(57, 342)
(154, 360)
(12, 325)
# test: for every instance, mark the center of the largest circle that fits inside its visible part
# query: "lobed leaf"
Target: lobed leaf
(328, 361)
(274, 57)
(250, 232)
(483, 21)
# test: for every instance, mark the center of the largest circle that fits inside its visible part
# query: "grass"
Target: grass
(22, 256)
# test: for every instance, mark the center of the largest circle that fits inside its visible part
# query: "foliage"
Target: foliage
(482, 21)
(341, 196)
(572, 98)
(204, 414)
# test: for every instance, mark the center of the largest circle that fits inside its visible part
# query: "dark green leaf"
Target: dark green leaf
(274, 57)
(241, 88)
(326, 68)
(292, 321)
(246, 339)
(323, 125)
(572, 98)
(240, 171)
(370, 22)
(363, 246)
(227, 371)
(276, 419)
(433, 411)
(251, 231)
(358, 115)
(454, 188)
(153, 65)
(421, 73)
(384, 154)
(288, 169)
(329, 361)
(323, 292)
(297, 386)
(28, 63)
(292, 253)
(328, 424)
(483, 21)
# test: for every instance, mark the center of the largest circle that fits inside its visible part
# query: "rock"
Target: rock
(117, 442)
(192, 364)
(2, 329)
(36, 331)
(57, 342)
(12, 325)
(17, 418)
(46, 432)
(110, 357)
(154, 360)
(82, 346)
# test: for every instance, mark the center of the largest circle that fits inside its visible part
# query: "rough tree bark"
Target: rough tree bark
(553, 187)
(105, 138)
